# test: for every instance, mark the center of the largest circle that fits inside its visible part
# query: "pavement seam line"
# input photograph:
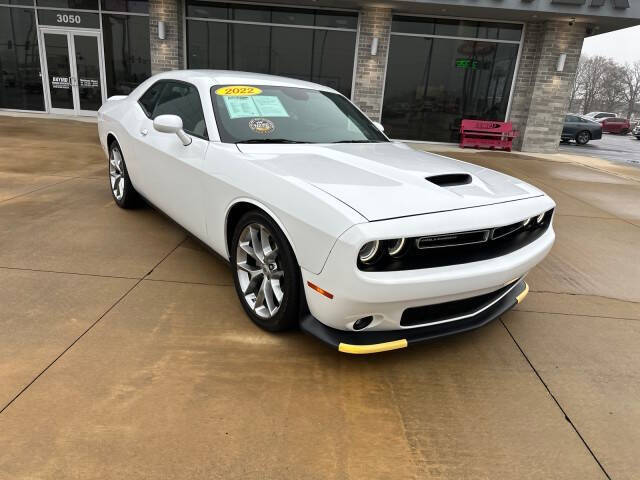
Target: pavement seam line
(549, 292)
(87, 330)
(67, 179)
(68, 273)
(604, 317)
(566, 416)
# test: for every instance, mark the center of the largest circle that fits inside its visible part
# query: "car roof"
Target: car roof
(230, 77)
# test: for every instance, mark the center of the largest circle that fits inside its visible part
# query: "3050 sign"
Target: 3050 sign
(68, 18)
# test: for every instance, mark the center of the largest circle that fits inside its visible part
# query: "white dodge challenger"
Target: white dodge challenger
(364, 242)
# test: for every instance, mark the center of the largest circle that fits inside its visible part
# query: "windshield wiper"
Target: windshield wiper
(269, 140)
(355, 141)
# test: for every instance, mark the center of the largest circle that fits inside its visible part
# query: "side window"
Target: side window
(182, 99)
(148, 100)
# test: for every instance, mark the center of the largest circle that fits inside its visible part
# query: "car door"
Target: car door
(570, 127)
(171, 173)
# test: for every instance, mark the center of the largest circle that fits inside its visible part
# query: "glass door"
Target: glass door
(74, 71)
(59, 78)
(87, 69)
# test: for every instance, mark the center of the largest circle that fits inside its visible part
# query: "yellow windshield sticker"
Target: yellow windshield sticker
(238, 91)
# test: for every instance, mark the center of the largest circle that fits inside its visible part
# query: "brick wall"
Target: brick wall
(370, 69)
(166, 54)
(541, 94)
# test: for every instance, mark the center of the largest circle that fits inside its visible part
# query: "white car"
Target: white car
(365, 243)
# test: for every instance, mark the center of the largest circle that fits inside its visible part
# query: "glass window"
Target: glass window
(148, 100)
(266, 14)
(322, 56)
(291, 115)
(451, 27)
(74, 4)
(182, 99)
(126, 52)
(433, 83)
(455, 28)
(423, 26)
(293, 16)
(207, 10)
(20, 77)
(336, 20)
(134, 6)
(28, 3)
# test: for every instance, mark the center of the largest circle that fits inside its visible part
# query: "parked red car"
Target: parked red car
(615, 125)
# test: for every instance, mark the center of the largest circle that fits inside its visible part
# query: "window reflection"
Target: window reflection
(126, 52)
(321, 56)
(433, 83)
(20, 80)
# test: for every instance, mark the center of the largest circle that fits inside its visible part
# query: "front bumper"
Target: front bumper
(387, 295)
(381, 341)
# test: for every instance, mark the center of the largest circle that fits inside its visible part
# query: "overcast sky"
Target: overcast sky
(621, 45)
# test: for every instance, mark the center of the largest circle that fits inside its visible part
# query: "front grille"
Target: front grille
(450, 310)
(462, 247)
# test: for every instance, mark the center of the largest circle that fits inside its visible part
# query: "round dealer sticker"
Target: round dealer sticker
(261, 125)
(238, 91)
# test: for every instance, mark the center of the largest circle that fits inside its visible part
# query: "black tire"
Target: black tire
(624, 131)
(120, 184)
(248, 285)
(583, 137)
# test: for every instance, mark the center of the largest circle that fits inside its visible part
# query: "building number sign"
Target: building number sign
(68, 19)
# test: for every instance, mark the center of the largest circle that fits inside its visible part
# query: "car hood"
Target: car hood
(389, 180)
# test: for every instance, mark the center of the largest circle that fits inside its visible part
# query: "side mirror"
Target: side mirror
(379, 126)
(171, 124)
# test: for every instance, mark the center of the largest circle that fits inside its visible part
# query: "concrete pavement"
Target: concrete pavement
(124, 352)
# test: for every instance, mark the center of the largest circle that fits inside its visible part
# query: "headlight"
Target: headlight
(540, 218)
(369, 252)
(395, 247)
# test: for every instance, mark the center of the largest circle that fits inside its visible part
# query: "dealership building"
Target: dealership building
(417, 66)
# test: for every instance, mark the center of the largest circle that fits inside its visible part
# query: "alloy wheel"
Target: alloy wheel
(583, 137)
(116, 173)
(259, 270)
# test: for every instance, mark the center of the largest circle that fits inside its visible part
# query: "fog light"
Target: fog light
(362, 322)
(369, 252)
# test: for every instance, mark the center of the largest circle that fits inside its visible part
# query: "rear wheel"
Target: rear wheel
(583, 137)
(267, 277)
(122, 190)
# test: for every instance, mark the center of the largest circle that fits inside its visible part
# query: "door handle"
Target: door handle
(144, 132)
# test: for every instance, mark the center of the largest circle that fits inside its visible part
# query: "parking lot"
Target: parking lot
(124, 352)
(624, 149)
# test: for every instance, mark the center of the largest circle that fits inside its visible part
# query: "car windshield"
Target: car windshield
(273, 114)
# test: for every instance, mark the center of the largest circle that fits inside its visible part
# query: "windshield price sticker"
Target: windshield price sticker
(238, 91)
(255, 106)
(270, 106)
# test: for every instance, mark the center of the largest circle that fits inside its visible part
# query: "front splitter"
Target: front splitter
(381, 341)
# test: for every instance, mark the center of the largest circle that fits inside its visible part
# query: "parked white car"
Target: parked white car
(365, 243)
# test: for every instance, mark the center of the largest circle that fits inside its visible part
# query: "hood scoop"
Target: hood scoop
(450, 179)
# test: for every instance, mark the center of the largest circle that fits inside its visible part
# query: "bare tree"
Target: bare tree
(578, 83)
(612, 88)
(593, 70)
(631, 81)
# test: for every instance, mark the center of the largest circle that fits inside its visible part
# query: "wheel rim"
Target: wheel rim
(116, 173)
(259, 270)
(583, 137)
